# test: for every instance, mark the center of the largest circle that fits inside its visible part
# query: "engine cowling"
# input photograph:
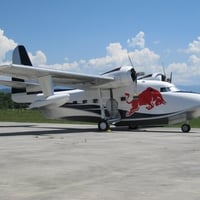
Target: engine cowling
(123, 76)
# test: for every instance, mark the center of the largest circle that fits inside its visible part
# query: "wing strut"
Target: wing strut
(46, 84)
(103, 116)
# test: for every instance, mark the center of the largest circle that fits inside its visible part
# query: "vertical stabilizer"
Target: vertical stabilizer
(20, 57)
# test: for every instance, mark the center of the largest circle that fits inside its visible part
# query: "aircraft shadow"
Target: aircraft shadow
(68, 130)
(51, 131)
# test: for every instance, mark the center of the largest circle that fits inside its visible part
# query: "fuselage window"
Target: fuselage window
(84, 101)
(95, 100)
(123, 98)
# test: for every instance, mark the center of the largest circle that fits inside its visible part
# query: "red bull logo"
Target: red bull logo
(149, 98)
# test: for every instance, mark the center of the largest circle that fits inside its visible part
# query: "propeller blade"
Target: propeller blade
(130, 61)
(133, 76)
(145, 76)
(170, 77)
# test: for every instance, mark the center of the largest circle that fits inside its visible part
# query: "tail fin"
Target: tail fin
(20, 57)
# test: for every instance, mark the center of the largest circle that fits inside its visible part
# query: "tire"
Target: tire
(132, 127)
(185, 128)
(103, 125)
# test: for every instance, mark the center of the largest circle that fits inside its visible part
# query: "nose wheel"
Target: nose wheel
(103, 125)
(185, 128)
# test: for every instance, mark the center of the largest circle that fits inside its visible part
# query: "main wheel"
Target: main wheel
(132, 127)
(103, 125)
(185, 128)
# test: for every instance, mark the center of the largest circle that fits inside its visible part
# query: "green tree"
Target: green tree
(6, 102)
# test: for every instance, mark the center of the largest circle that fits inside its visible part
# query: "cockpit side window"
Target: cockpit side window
(164, 89)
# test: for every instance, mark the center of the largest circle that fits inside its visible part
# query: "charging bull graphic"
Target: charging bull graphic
(150, 98)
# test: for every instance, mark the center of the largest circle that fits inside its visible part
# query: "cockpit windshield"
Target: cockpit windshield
(169, 89)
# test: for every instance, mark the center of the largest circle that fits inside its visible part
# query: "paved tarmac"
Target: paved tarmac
(76, 162)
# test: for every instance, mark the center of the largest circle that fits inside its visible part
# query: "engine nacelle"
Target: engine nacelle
(123, 76)
(54, 100)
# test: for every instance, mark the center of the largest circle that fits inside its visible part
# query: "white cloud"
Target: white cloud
(184, 73)
(179, 68)
(38, 59)
(194, 47)
(137, 41)
(143, 58)
(187, 72)
(195, 60)
(115, 49)
(73, 66)
(115, 57)
(6, 45)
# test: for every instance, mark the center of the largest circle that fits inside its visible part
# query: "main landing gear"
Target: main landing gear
(103, 125)
(185, 128)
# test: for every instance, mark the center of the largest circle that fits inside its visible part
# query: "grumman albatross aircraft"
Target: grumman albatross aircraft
(120, 97)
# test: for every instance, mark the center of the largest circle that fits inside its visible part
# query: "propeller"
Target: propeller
(170, 78)
(134, 75)
(164, 78)
(133, 72)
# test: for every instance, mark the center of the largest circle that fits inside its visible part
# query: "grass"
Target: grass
(23, 115)
(195, 123)
(34, 116)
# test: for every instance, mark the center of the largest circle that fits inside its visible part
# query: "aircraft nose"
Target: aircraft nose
(195, 104)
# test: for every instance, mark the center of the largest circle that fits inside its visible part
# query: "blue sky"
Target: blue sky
(93, 36)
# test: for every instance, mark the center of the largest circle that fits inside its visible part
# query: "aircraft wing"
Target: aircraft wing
(58, 77)
(17, 84)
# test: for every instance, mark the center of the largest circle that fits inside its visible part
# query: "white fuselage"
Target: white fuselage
(157, 102)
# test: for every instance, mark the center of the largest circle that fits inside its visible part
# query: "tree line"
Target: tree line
(6, 102)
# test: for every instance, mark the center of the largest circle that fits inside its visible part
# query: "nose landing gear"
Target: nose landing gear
(185, 128)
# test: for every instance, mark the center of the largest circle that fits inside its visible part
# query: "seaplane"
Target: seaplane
(119, 97)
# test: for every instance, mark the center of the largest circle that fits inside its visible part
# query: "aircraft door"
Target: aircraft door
(112, 107)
